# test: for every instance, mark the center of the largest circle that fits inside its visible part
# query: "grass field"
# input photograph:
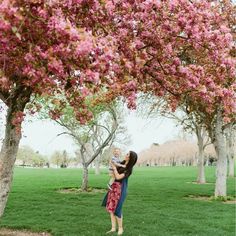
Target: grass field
(155, 204)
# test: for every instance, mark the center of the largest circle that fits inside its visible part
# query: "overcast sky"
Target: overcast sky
(42, 135)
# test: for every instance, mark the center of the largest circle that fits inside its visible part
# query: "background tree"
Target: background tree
(24, 154)
(39, 160)
(65, 159)
(105, 128)
(56, 158)
(60, 159)
(92, 137)
(30, 157)
(192, 122)
(121, 139)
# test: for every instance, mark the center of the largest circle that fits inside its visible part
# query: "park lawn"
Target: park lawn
(155, 205)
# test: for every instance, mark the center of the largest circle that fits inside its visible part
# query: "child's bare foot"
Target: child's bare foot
(109, 186)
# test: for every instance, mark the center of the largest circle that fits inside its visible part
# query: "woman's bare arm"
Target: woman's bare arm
(117, 175)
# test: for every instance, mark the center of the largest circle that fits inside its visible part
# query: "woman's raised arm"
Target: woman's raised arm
(117, 175)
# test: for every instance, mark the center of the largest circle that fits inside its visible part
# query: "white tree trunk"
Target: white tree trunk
(97, 165)
(231, 166)
(221, 165)
(201, 170)
(7, 159)
(230, 140)
(84, 186)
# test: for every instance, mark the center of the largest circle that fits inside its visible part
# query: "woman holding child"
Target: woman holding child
(116, 195)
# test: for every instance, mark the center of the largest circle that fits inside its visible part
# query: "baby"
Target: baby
(117, 162)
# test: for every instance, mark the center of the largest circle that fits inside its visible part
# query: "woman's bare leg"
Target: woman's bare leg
(113, 223)
(120, 225)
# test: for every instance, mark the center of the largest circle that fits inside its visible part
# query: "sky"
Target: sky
(43, 136)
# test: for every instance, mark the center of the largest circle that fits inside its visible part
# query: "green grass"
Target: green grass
(155, 204)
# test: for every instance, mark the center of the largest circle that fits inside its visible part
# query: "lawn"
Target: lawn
(155, 205)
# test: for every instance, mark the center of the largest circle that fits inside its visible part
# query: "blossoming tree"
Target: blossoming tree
(46, 49)
(183, 50)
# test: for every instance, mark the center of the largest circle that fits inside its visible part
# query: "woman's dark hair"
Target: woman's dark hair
(132, 161)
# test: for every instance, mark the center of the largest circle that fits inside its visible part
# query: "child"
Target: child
(117, 162)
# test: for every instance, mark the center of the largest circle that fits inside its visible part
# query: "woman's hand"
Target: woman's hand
(117, 175)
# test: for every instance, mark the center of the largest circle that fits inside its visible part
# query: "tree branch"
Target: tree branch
(4, 96)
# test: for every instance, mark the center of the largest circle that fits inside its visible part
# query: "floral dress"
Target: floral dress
(114, 199)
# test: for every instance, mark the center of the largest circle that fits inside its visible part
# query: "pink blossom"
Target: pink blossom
(56, 66)
(183, 70)
(84, 47)
(29, 57)
(84, 91)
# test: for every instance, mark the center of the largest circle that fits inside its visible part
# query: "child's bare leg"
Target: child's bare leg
(112, 179)
(111, 174)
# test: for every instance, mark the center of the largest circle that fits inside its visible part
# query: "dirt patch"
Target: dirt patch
(230, 202)
(195, 182)
(79, 191)
(200, 198)
(13, 232)
(227, 200)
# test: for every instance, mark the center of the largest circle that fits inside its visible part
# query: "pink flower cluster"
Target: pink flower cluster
(180, 47)
(176, 49)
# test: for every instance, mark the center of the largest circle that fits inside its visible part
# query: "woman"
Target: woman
(115, 197)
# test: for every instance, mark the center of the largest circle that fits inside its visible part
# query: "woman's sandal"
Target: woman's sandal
(110, 231)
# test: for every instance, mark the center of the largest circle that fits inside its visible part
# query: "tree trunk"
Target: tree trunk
(230, 141)
(84, 186)
(231, 166)
(201, 170)
(7, 158)
(97, 166)
(221, 165)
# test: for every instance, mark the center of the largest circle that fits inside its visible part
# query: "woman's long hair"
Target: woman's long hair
(132, 161)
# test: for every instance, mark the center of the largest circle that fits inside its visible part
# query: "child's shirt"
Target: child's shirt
(116, 161)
